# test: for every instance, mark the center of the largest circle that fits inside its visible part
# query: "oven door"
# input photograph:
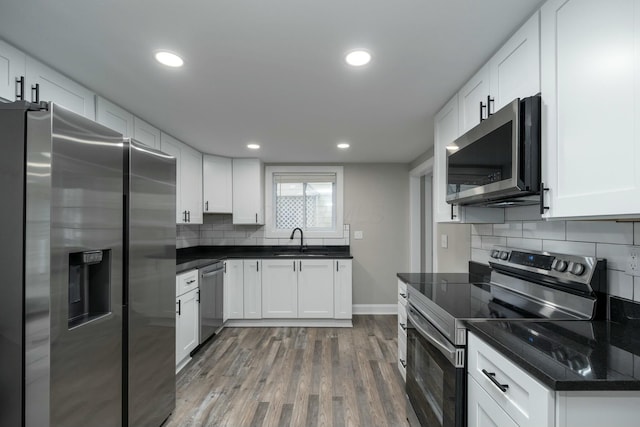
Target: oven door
(435, 374)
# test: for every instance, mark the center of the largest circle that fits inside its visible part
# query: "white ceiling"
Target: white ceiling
(272, 71)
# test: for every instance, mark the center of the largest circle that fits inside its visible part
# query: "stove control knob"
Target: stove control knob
(577, 269)
(504, 255)
(495, 253)
(561, 266)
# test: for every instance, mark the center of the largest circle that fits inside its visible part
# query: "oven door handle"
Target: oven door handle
(432, 335)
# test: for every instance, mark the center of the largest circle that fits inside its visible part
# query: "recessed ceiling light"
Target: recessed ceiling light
(358, 58)
(343, 145)
(253, 146)
(169, 59)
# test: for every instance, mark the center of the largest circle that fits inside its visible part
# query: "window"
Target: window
(309, 197)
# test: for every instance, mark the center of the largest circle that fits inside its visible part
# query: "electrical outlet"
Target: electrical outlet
(358, 235)
(444, 241)
(633, 261)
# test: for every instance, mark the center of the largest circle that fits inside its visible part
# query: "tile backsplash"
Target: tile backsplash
(218, 230)
(524, 230)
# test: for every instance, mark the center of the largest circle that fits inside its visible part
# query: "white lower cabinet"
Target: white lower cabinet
(233, 289)
(187, 316)
(252, 289)
(402, 329)
(528, 403)
(279, 289)
(342, 289)
(306, 289)
(483, 410)
(315, 289)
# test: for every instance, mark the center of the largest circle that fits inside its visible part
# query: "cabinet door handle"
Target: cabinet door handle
(492, 377)
(20, 88)
(35, 89)
(198, 299)
(542, 206)
(256, 218)
(452, 215)
(300, 265)
(489, 102)
(294, 266)
(257, 266)
(188, 216)
(403, 295)
(403, 363)
(206, 206)
(179, 307)
(403, 326)
(482, 107)
(190, 281)
(225, 267)
(337, 266)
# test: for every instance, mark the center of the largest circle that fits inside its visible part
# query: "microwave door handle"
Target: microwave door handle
(431, 334)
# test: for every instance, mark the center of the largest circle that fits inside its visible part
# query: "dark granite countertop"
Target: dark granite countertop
(572, 355)
(478, 273)
(201, 256)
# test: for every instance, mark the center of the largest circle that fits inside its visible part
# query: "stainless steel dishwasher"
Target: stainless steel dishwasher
(211, 300)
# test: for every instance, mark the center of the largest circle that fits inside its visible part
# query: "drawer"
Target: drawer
(186, 282)
(402, 356)
(402, 293)
(524, 399)
(483, 410)
(402, 321)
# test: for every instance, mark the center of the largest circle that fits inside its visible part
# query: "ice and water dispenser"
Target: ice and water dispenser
(89, 286)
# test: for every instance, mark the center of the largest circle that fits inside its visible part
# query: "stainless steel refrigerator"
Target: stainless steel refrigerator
(74, 311)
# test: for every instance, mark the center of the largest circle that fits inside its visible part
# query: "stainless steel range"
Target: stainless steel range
(523, 285)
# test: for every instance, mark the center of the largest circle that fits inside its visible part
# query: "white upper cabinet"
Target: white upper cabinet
(590, 83)
(513, 72)
(145, 133)
(445, 124)
(57, 88)
(191, 195)
(472, 94)
(114, 117)
(12, 67)
(188, 179)
(515, 69)
(248, 191)
(217, 184)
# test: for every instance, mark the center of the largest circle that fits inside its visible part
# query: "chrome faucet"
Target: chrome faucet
(301, 237)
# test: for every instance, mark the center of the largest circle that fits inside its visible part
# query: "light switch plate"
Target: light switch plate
(358, 235)
(633, 261)
(444, 241)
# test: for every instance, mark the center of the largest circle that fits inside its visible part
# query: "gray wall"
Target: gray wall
(454, 258)
(376, 201)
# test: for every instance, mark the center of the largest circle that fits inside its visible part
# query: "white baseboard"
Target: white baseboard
(293, 323)
(375, 308)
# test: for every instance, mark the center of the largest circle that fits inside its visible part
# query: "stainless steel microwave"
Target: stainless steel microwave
(497, 163)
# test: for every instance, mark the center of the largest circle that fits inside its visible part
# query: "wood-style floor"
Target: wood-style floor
(298, 377)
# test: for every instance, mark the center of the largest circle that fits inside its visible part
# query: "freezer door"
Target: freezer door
(73, 300)
(151, 286)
